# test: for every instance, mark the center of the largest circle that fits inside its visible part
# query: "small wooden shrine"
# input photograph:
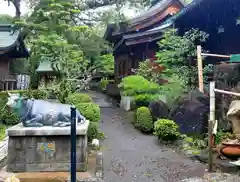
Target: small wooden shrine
(46, 72)
(12, 47)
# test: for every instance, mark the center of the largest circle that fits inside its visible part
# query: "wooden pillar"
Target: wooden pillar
(200, 68)
(6, 85)
(210, 125)
(45, 80)
(116, 67)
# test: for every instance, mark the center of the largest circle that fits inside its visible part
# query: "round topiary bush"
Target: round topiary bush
(158, 110)
(90, 111)
(93, 131)
(78, 98)
(144, 121)
(166, 129)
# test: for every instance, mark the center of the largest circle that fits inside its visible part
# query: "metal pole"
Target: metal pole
(210, 125)
(73, 144)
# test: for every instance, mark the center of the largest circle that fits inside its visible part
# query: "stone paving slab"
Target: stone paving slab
(3, 151)
(215, 177)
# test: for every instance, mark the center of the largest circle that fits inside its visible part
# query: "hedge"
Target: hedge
(78, 98)
(90, 111)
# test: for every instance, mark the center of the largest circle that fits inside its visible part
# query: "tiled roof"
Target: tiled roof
(8, 38)
(44, 66)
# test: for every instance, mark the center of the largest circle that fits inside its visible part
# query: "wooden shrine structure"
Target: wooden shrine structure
(222, 26)
(46, 72)
(12, 47)
(136, 40)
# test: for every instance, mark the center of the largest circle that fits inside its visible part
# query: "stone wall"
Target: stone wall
(44, 153)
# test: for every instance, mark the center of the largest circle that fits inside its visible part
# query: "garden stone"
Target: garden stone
(126, 103)
(158, 110)
(191, 117)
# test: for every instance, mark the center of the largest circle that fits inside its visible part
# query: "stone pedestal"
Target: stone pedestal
(126, 103)
(45, 149)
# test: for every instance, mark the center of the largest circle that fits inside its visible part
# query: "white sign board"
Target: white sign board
(23, 82)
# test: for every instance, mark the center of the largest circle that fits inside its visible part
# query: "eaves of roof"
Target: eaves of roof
(8, 37)
(182, 12)
(157, 30)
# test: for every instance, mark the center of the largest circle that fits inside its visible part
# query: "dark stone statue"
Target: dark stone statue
(37, 113)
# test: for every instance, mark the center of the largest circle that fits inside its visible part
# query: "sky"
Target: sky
(10, 10)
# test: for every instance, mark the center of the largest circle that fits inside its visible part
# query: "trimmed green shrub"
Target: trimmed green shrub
(93, 131)
(103, 83)
(78, 98)
(144, 121)
(90, 111)
(9, 117)
(144, 99)
(134, 85)
(166, 129)
(36, 94)
(2, 131)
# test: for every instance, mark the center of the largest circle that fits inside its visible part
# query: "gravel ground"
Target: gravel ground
(131, 156)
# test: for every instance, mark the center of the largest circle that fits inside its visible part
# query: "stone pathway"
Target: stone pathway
(134, 157)
(3, 151)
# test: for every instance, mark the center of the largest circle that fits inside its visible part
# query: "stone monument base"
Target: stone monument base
(45, 149)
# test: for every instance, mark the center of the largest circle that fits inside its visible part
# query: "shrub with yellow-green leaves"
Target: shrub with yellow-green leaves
(166, 129)
(144, 120)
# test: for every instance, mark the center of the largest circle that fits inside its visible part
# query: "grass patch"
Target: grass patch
(2, 131)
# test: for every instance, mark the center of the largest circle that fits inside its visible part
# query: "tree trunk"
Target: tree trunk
(16, 4)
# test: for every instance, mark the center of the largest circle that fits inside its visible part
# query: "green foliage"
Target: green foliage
(6, 19)
(147, 71)
(193, 144)
(144, 121)
(221, 136)
(107, 64)
(135, 85)
(94, 132)
(166, 129)
(9, 117)
(206, 71)
(90, 111)
(145, 99)
(36, 94)
(176, 52)
(103, 84)
(3, 129)
(63, 89)
(56, 36)
(175, 87)
(77, 98)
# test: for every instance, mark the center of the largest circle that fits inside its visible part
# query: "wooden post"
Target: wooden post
(200, 68)
(210, 124)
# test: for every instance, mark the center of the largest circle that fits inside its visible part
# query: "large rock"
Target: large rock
(191, 113)
(158, 110)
